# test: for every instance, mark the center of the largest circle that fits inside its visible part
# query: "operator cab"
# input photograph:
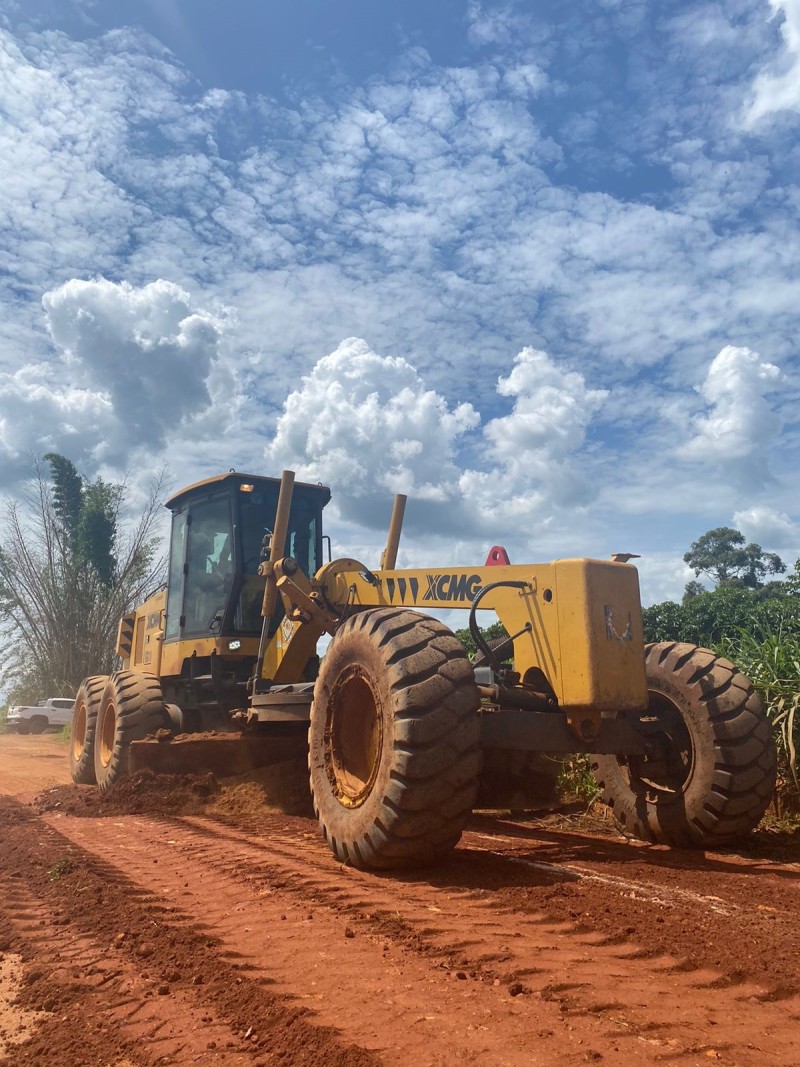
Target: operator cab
(219, 527)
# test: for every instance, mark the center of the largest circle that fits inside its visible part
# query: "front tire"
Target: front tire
(82, 730)
(394, 753)
(710, 771)
(132, 706)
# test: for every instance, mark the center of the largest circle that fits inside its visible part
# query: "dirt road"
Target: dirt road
(229, 935)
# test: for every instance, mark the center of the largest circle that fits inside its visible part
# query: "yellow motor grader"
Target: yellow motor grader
(397, 717)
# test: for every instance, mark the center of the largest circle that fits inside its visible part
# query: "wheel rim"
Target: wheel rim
(78, 730)
(107, 733)
(353, 737)
(668, 765)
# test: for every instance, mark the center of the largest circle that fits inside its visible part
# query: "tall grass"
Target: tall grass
(771, 659)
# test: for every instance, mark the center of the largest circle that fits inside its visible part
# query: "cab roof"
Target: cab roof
(239, 478)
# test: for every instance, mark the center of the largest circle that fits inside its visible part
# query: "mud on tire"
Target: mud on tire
(82, 730)
(394, 754)
(711, 769)
(132, 706)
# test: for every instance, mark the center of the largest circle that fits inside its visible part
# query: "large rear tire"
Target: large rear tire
(710, 770)
(82, 730)
(132, 706)
(394, 754)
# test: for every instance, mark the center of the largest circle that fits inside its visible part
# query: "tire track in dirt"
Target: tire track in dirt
(579, 995)
(721, 910)
(383, 996)
(145, 1013)
(653, 891)
(16, 1025)
(125, 978)
(747, 929)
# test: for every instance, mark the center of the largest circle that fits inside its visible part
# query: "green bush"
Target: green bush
(771, 660)
(711, 617)
(576, 780)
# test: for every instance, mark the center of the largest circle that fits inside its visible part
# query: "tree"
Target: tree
(69, 568)
(693, 589)
(492, 632)
(723, 555)
(793, 580)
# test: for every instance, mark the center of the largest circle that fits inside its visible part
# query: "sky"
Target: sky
(536, 265)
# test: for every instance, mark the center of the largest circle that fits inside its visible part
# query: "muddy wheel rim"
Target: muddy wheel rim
(78, 731)
(107, 732)
(669, 764)
(353, 737)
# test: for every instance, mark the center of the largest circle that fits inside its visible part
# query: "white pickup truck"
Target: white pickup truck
(52, 713)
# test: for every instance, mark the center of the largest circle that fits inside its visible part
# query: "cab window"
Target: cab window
(209, 565)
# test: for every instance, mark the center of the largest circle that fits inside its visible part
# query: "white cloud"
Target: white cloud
(777, 88)
(489, 27)
(533, 446)
(36, 417)
(148, 348)
(493, 24)
(662, 576)
(368, 425)
(739, 424)
(768, 527)
(132, 366)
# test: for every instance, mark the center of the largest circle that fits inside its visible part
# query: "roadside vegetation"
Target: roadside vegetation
(752, 619)
(70, 566)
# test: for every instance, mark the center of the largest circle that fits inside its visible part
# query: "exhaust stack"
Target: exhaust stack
(389, 554)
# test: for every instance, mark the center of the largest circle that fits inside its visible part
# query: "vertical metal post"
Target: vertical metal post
(389, 554)
(277, 546)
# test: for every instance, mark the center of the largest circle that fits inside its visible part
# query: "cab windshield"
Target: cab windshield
(215, 551)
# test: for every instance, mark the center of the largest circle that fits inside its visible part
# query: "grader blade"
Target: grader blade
(223, 756)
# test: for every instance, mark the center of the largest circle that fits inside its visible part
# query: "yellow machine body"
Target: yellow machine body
(581, 618)
(404, 734)
(576, 624)
(584, 616)
(140, 643)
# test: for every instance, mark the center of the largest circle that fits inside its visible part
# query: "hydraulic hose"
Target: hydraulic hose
(474, 629)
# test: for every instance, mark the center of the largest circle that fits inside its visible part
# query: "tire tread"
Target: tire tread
(742, 771)
(435, 756)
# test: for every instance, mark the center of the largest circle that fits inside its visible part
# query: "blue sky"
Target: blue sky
(534, 264)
